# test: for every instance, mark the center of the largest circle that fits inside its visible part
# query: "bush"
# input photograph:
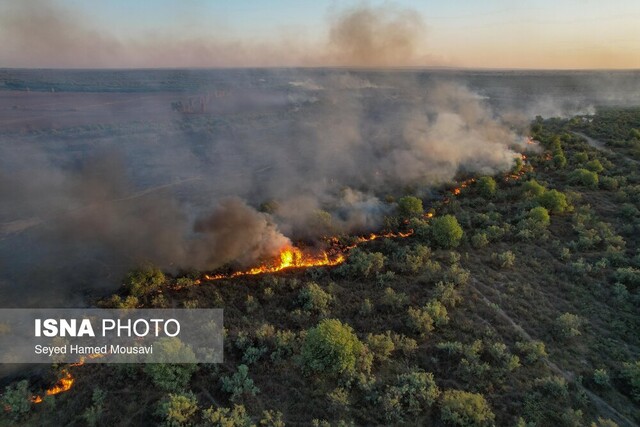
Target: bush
(362, 264)
(584, 177)
(313, 298)
(487, 186)
(631, 375)
(628, 276)
(410, 206)
(554, 201)
(239, 384)
(540, 215)
(420, 320)
(479, 240)
(595, 166)
(381, 345)
(225, 417)
(172, 376)
(559, 160)
(144, 280)
(178, 409)
(16, 400)
(601, 377)
(504, 259)
(412, 393)
(532, 351)
(446, 232)
(272, 418)
(438, 312)
(332, 348)
(462, 408)
(447, 293)
(568, 325)
(532, 188)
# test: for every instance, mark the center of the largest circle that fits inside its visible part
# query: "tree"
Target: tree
(462, 408)
(313, 298)
(487, 186)
(332, 348)
(540, 215)
(239, 384)
(412, 393)
(584, 177)
(16, 400)
(446, 231)
(172, 376)
(410, 206)
(595, 166)
(554, 200)
(226, 417)
(144, 280)
(533, 188)
(178, 409)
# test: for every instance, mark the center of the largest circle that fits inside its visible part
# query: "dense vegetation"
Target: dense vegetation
(516, 304)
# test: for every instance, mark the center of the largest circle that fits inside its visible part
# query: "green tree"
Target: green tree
(410, 206)
(172, 376)
(313, 298)
(239, 384)
(178, 409)
(533, 188)
(554, 201)
(540, 215)
(226, 417)
(463, 409)
(487, 186)
(412, 393)
(446, 231)
(332, 348)
(595, 166)
(16, 400)
(584, 177)
(144, 280)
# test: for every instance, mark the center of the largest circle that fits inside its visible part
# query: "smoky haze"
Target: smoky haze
(182, 192)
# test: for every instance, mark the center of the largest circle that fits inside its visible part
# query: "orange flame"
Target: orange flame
(64, 384)
(292, 257)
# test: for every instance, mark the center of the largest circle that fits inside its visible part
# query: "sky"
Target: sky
(542, 34)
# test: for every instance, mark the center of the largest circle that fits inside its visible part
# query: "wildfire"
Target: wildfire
(292, 257)
(64, 384)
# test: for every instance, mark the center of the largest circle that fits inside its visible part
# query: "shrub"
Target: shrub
(584, 177)
(239, 384)
(178, 409)
(362, 264)
(144, 280)
(332, 348)
(595, 166)
(532, 351)
(410, 206)
(504, 259)
(568, 325)
(447, 293)
(381, 345)
(93, 413)
(438, 312)
(462, 408)
(487, 186)
(393, 299)
(554, 201)
(411, 394)
(225, 417)
(172, 376)
(532, 188)
(272, 418)
(479, 240)
(313, 298)
(631, 375)
(540, 215)
(446, 232)
(16, 400)
(559, 160)
(420, 320)
(601, 377)
(628, 276)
